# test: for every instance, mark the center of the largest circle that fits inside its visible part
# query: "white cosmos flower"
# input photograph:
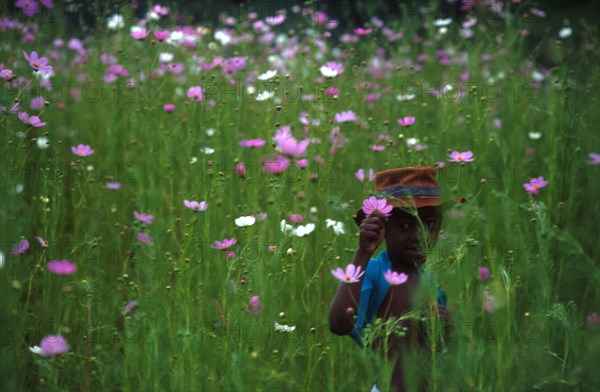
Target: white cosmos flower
(222, 37)
(244, 221)
(442, 22)
(210, 132)
(115, 22)
(565, 32)
(265, 95)
(35, 349)
(42, 142)
(328, 72)
(405, 97)
(165, 57)
(251, 90)
(284, 328)
(301, 230)
(207, 150)
(338, 227)
(285, 228)
(537, 76)
(268, 75)
(534, 135)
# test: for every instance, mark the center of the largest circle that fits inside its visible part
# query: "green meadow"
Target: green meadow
(517, 91)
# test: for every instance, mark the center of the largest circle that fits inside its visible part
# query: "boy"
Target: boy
(411, 187)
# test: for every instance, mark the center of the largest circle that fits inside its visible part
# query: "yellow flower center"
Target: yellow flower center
(36, 64)
(459, 157)
(347, 277)
(536, 186)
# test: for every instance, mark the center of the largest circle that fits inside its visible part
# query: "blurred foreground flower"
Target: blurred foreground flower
(351, 275)
(254, 306)
(62, 267)
(50, 346)
(484, 273)
(594, 158)
(394, 278)
(20, 247)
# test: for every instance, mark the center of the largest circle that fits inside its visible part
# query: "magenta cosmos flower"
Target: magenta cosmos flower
(196, 206)
(38, 64)
(406, 121)
(144, 238)
(351, 275)
(394, 278)
(143, 217)
(361, 31)
(61, 267)
(373, 204)
(195, 93)
(34, 121)
(484, 273)
(82, 150)
(296, 218)
(51, 345)
(534, 185)
(20, 247)
(252, 143)
(113, 185)
(169, 107)
(254, 305)
(226, 243)
(466, 156)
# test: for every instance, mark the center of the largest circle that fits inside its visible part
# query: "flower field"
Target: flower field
(177, 195)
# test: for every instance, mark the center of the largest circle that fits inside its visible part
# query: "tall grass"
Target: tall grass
(190, 329)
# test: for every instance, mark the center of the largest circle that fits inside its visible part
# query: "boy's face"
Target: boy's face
(404, 234)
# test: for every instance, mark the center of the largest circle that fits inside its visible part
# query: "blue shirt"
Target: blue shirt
(373, 291)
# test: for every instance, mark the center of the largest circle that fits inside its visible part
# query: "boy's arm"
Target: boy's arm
(372, 233)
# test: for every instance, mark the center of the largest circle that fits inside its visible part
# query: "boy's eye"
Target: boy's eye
(403, 225)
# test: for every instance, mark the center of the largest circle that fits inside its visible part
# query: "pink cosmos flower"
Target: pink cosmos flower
(406, 121)
(282, 133)
(373, 204)
(296, 218)
(593, 320)
(484, 273)
(195, 93)
(594, 158)
(20, 247)
(82, 150)
(338, 67)
(143, 217)
(360, 174)
(534, 185)
(346, 116)
(466, 156)
(34, 121)
(37, 103)
(38, 64)
(113, 185)
(254, 306)
(292, 147)
(144, 238)
(61, 267)
(139, 33)
(252, 143)
(276, 166)
(226, 243)
(130, 306)
(361, 31)
(196, 206)
(302, 163)
(6, 74)
(169, 107)
(377, 147)
(352, 274)
(52, 345)
(230, 254)
(394, 278)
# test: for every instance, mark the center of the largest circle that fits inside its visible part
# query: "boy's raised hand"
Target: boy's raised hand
(372, 232)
